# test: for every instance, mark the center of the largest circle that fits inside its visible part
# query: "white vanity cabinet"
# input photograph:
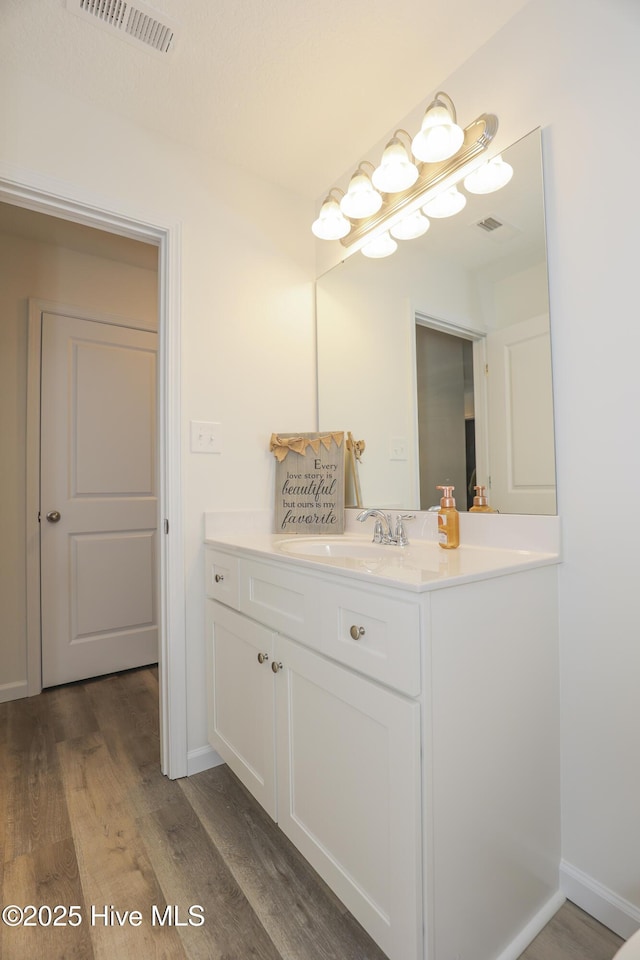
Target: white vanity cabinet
(331, 754)
(405, 740)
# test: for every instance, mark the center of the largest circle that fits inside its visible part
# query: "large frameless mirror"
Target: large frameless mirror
(439, 359)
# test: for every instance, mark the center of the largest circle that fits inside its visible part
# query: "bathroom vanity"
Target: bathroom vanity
(395, 710)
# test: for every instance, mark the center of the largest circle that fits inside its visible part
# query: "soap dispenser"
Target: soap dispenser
(448, 520)
(480, 502)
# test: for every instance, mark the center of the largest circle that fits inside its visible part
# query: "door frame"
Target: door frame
(41, 194)
(421, 318)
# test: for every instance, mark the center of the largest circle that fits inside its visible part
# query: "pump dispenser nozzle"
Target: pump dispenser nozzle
(447, 496)
(480, 502)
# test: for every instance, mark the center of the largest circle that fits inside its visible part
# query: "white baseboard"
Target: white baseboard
(614, 911)
(203, 758)
(520, 943)
(13, 691)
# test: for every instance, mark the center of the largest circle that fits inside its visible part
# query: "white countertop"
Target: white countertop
(422, 565)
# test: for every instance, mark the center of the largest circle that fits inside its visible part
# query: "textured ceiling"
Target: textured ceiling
(285, 88)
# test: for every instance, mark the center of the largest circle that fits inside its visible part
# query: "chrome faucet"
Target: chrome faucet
(382, 527)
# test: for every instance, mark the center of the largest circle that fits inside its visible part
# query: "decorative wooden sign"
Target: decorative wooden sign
(309, 482)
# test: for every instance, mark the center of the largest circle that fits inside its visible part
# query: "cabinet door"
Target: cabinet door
(349, 791)
(240, 691)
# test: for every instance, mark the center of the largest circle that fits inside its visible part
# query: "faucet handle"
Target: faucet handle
(400, 533)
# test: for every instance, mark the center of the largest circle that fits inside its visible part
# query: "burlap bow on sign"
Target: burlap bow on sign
(280, 446)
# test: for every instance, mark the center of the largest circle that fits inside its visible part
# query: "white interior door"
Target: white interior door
(520, 401)
(99, 514)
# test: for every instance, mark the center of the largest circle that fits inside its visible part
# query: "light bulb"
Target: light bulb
(331, 224)
(360, 200)
(396, 171)
(445, 204)
(439, 136)
(491, 176)
(413, 226)
(382, 246)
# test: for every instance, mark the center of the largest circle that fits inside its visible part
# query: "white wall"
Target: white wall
(247, 299)
(574, 70)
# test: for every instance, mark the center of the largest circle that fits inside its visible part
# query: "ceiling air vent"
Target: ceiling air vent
(135, 22)
(489, 224)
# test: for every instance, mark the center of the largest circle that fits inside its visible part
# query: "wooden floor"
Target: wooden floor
(88, 821)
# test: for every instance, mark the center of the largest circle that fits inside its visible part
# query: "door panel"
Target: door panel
(520, 398)
(349, 791)
(98, 470)
(241, 705)
(113, 446)
(112, 581)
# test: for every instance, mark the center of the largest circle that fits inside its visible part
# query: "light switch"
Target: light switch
(205, 437)
(398, 448)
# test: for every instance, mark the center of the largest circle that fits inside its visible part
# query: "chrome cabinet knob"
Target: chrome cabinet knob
(218, 578)
(275, 666)
(356, 632)
(53, 516)
(263, 657)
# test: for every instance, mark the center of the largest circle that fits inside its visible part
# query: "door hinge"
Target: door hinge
(39, 515)
(166, 526)
(486, 369)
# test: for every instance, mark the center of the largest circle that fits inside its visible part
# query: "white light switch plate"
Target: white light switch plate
(398, 448)
(206, 437)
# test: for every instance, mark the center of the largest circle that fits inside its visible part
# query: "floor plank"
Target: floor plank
(69, 711)
(301, 914)
(191, 869)
(48, 877)
(573, 935)
(113, 864)
(35, 807)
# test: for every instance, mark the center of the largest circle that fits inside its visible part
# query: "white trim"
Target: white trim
(32, 502)
(613, 911)
(478, 339)
(202, 758)
(13, 691)
(447, 326)
(520, 943)
(27, 189)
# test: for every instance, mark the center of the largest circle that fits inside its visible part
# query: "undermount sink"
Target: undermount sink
(417, 563)
(336, 547)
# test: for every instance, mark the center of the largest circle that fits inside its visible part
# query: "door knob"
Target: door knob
(53, 516)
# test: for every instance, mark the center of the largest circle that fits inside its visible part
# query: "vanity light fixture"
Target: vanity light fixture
(396, 171)
(381, 246)
(490, 176)
(361, 199)
(331, 223)
(439, 136)
(445, 204)
(379, 201)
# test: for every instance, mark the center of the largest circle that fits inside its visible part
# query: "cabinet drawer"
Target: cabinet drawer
(281, 599)
(221, 577)
(377, 635)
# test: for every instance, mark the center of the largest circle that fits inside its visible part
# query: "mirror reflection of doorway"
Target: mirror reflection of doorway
(446, 415)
